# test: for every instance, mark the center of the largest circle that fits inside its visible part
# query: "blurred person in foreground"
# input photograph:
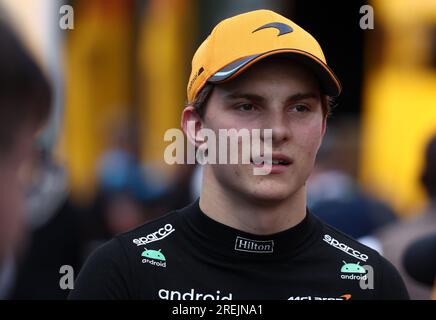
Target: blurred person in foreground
(248, 236)
(419, 260)
(54, 230)
(25, 99)
(395, 238)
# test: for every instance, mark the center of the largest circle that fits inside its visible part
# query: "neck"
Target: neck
(261, 217)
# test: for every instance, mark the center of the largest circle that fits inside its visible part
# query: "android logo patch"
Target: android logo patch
(153, 254)
(352, 268)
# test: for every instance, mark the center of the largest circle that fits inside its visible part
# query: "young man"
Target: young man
(248, 236)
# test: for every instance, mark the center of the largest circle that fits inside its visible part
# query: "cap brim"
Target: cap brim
(330, 84)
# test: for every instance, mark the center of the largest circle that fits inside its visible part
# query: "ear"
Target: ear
(324, 126)
(325, 100)
(323, 131)
(191, 123)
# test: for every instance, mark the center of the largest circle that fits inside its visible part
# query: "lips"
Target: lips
(281, 159)
(277, 159)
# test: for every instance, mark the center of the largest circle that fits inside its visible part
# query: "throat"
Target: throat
(252, 217)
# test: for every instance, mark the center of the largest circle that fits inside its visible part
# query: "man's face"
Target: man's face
(275, 94)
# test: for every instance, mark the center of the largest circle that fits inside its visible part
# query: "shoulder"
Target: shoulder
(161, 230)
(100, 277)
(385, 277)
(151, 231)
(110, 271)
(344, 245)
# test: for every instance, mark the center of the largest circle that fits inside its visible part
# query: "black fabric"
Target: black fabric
(54, 244)
(196, 258)
(420, 259)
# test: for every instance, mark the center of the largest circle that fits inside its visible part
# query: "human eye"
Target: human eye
(300, 108)
(245, 107)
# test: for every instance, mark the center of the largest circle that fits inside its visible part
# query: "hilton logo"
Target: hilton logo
(248, 245)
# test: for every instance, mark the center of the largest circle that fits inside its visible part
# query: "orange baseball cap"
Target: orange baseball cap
(238, 42)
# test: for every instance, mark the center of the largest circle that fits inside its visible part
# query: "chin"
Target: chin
(261, 189)
(270, 193)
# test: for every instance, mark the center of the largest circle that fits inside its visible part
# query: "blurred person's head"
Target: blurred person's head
(25, 98)
(273, 84)
(428, 176)
(419, 259)
(122, 214)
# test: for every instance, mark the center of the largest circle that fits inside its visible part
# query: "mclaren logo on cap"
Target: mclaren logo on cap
(282, 27)
(200, 71)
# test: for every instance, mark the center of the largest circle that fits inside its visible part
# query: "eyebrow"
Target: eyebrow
(255, 97)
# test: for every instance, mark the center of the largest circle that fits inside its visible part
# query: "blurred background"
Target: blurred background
(119, 80)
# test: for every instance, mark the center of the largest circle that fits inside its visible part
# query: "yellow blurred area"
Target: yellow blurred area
(167, 39)
(114, 77)
(399, 103)
(98, 85)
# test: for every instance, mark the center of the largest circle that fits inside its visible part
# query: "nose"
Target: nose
(281, 131)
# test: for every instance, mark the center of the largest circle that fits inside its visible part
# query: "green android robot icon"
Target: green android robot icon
(153, 254)
(352, 268)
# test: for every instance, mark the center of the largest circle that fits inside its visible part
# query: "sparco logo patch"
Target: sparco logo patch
(257, 246)
(342, 246)
(163, 232)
